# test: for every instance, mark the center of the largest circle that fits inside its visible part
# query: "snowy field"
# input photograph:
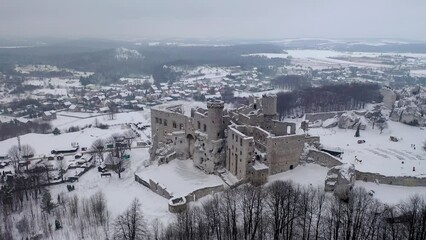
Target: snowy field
(45, 143)
(305, 175)
(418, 73)
(391, 194)
(314, 175)
(378, 153)
(119, 193)
(215, 74)
(319, 59)
(68, 119)
(55, 81)
(180, 177)
(26, 69)
(257, 94)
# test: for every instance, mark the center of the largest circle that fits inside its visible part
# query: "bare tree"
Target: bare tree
(130, 225)
(61, 168)
(156, 229)
(282, 202)
(27, 151)
(119, 145)
(14, 156)
(98, 148)
(118, 164)
(212, 211)
(129, 136)
(252, 210)
(112, 110)
(99, 207)
(46, 202)
(230, 211)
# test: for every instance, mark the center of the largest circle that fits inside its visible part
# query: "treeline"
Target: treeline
(280, 210)
(283, 210)
(14, 129)
(291, 82)
(339, 97)
(102, 60)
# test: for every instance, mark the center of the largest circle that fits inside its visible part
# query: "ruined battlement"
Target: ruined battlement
(212, 142)
(269, 104)
(215, 104)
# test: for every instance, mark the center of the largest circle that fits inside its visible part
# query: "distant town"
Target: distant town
(187, 135)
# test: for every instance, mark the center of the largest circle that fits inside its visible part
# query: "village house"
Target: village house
(48, 115)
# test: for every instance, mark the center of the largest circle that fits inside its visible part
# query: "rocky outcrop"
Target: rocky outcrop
(331, 122)
(340, 180)
(209, 155)
(164, 153)
(411, 107)
(350, 120)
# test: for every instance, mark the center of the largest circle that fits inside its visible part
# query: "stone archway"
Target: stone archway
(191, 141)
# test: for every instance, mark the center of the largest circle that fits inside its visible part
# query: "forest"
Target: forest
(279, 210)
(100, 58)
(291, 82)
(339, 97)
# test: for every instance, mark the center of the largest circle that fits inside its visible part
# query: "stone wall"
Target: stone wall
(177, 205)
(141, 181)
(322, 158)
(164, 122)
(155, 187)
(283, 128)
(312, 117)
(159, 189)
(283, 153)
(193, 196)
(209, 155)
(202, 192)
(259, 176)
(239, 152)
(403, 181)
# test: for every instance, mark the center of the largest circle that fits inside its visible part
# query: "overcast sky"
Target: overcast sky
(261, 19)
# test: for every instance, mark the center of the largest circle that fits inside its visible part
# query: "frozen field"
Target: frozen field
(378, 153)
(180, 177)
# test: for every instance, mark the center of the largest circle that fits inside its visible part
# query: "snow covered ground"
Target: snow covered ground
(215, 74)
(45, 143)
(305, 175)
(180, 177)
(378, 153)
(319, 59)
(418, 73)
(119, 193)
(68, 119)
(257, 94)
(391, 194)
(314, 175)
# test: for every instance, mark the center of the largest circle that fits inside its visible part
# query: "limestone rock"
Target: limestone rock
(331, 122)
(350, 120)
(340, 180)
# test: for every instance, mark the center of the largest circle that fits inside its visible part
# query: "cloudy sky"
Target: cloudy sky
(260, 19)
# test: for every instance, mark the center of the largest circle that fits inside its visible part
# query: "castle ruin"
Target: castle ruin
(248, 141)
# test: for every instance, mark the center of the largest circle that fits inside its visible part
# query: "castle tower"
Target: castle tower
(215, 120)
(269, 105)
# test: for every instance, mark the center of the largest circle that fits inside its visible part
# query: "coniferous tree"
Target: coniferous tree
(357, 130)
(46, 202)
